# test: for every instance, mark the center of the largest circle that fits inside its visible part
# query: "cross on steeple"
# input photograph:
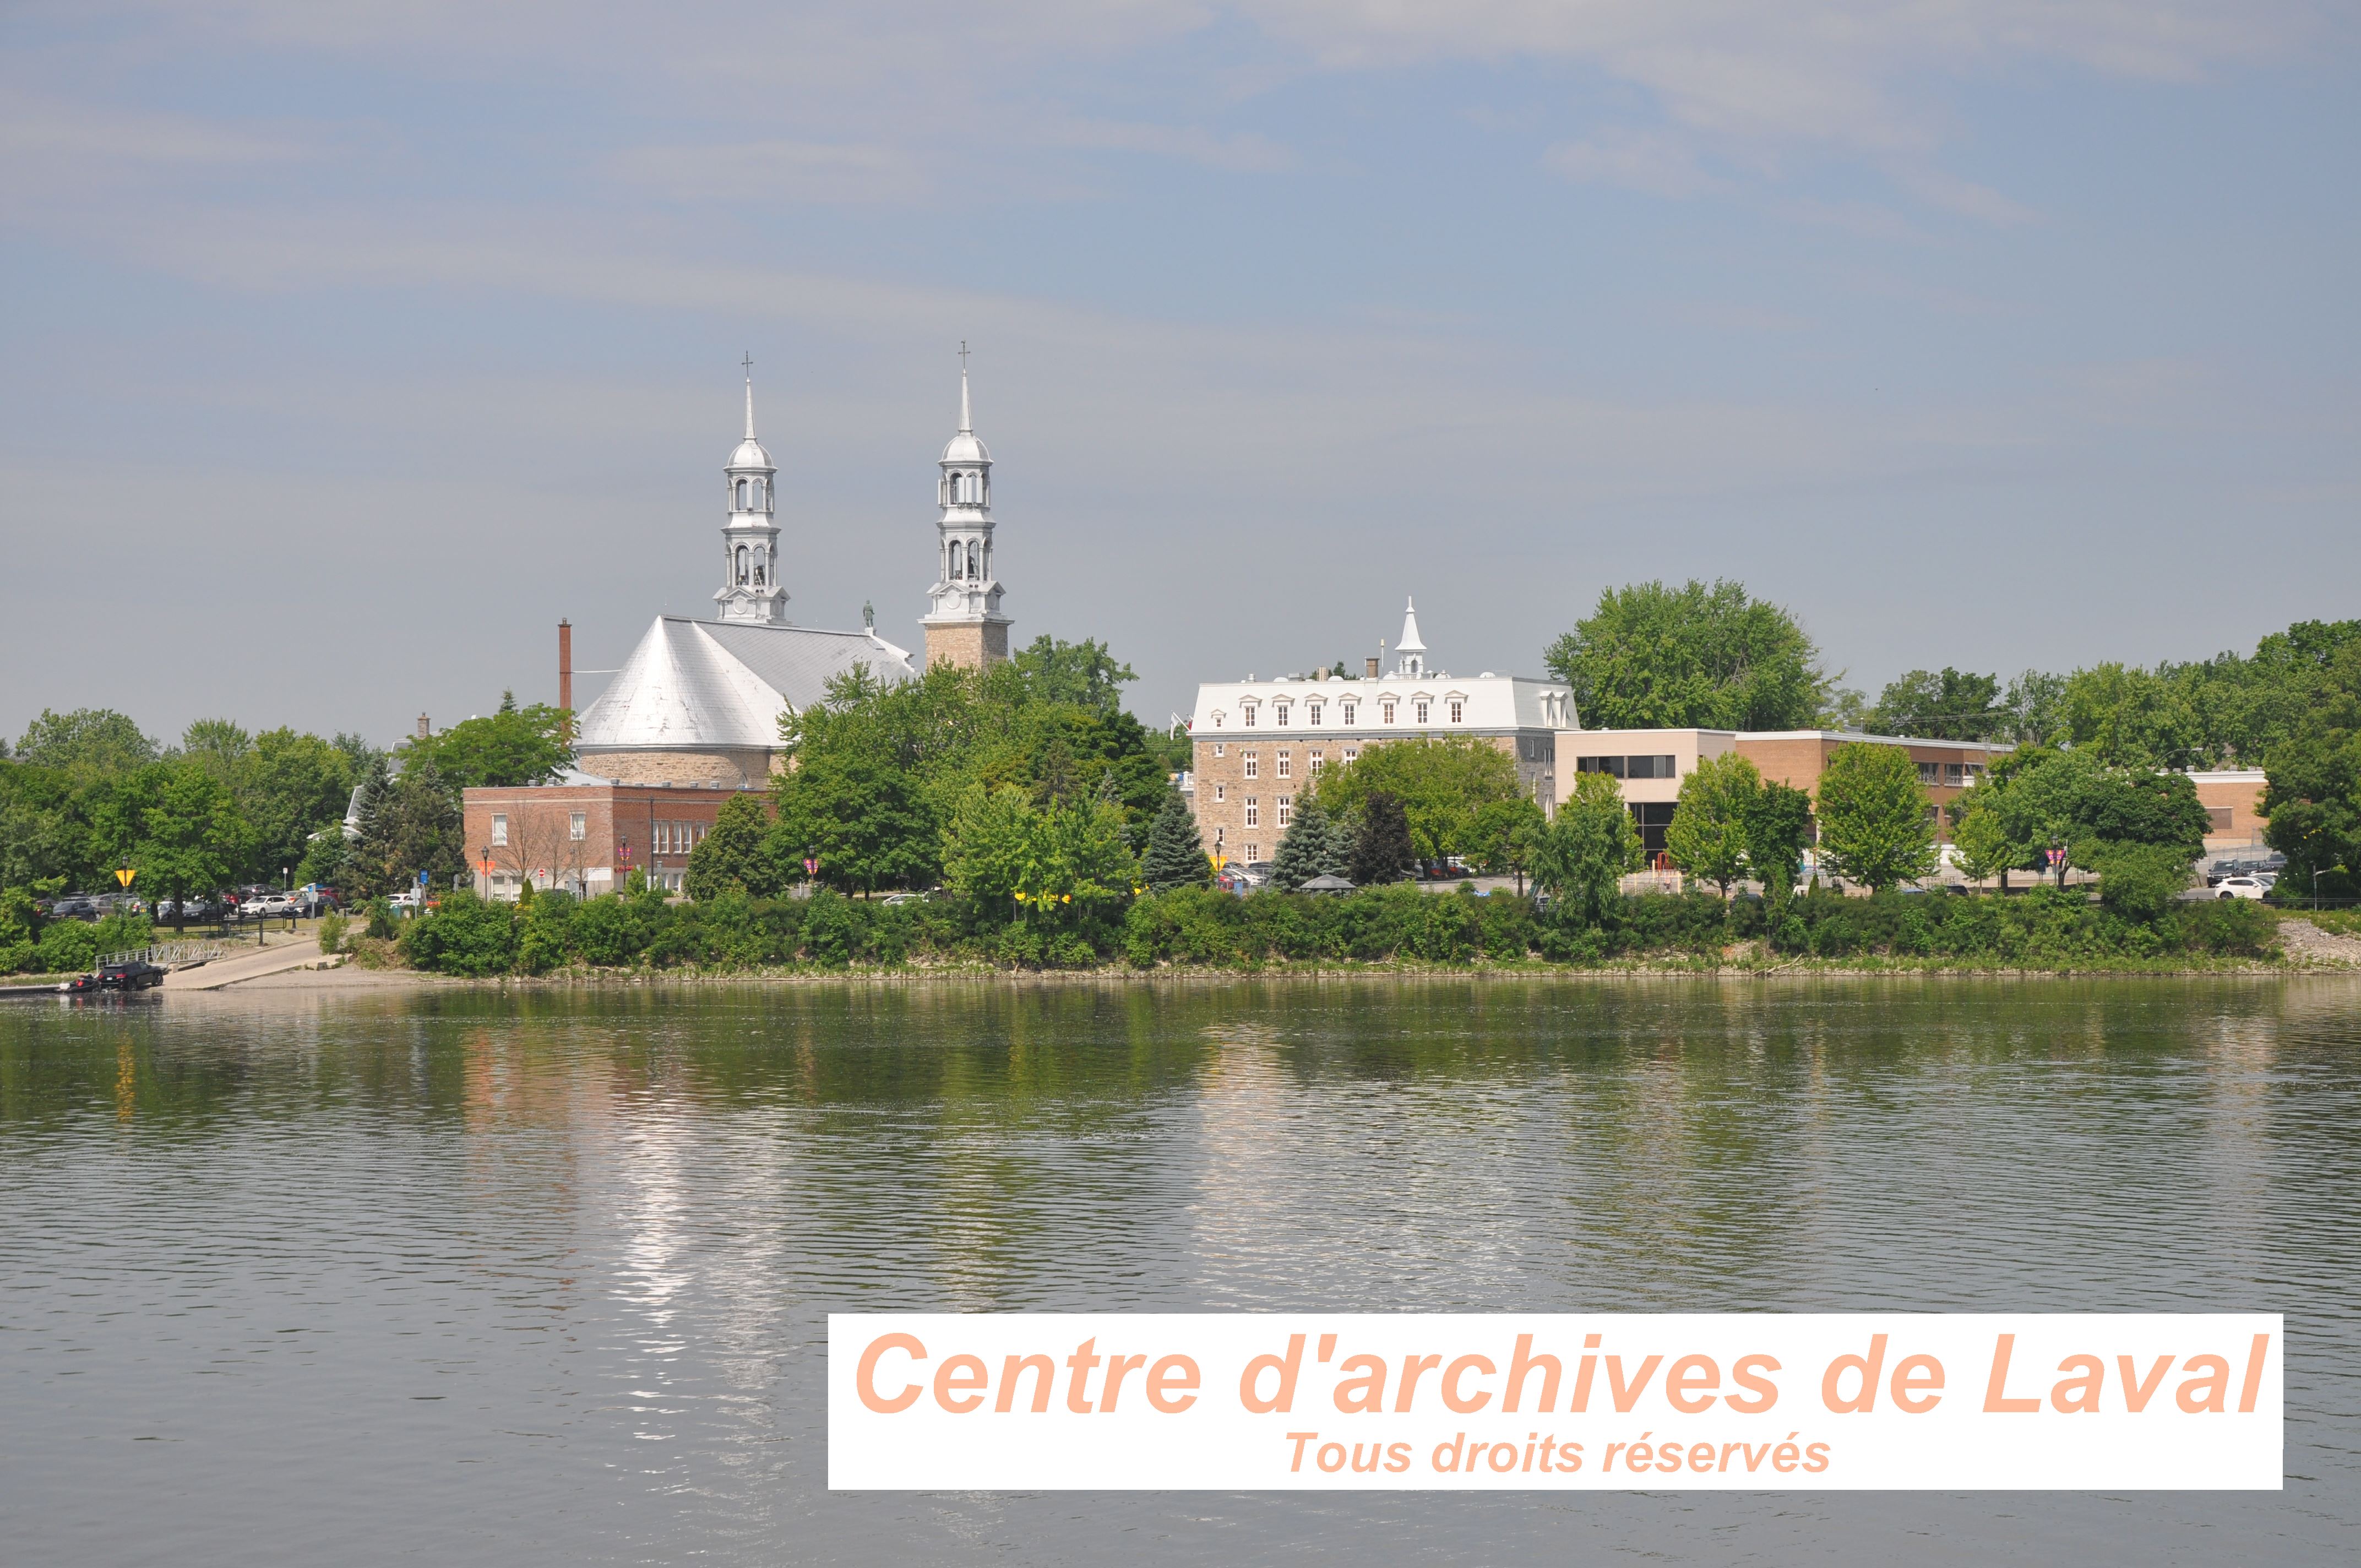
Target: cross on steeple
(963, 357)
(749, 363)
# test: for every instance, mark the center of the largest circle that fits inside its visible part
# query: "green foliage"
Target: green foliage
(1653, 657)
(2132, 716)
(1082, 673)
(468, 936)
(88, 745)
(1778, 829)
(738, 853)
(2231, 708)
(514, 746)
(1443, 785)
(1311, 847)
(174, 822)
(1176, 851)
(1711, 827)
(332, 929)
(1504, 834)
(543, 926)
(381, 925)
(2312, 797)
(1382, 850)
(2048, 927)
(1060, 864)
(2141, 880)
(409, 823)
(1587, 848)
(1875, 826)
(1950, 705)
(290, 787)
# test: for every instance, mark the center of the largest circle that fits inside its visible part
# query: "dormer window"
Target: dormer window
(1348, 711)
(1315, 708)
(1458, 711)
(1422, 712)
(1249, 710)
(1279, 717)
(1386, 712)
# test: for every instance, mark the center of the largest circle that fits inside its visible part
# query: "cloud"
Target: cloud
(48, 131)
(1190, 144)
(764, 171)
(1639, 160)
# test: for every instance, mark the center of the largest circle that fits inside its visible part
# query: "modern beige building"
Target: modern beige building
(2233, 799)
(1649, 764)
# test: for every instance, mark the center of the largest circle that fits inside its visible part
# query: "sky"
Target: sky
(348, 345)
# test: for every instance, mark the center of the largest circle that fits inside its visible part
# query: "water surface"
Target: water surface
(471, 1277)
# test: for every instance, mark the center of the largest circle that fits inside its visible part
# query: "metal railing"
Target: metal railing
(173, 955)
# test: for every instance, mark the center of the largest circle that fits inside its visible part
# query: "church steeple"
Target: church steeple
(750, 539)
(963, 622)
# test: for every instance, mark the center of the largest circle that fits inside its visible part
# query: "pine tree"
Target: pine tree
(1176, 856)
(1382, 850)
(1303, 849)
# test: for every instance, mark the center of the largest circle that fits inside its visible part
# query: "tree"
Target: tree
(1588, 847)
(515, 746)
(2035, 702)
(178, 826)
(1309, 848)
(1875, 824)
(1709, 834)
(1176, 852)
(1082, 673)
(409, 823)
(217, 745)
(1946, 707)
(1693, 657)
(2131, 717)
(1778, 828)
(1059, 864)
(1504, 836)
(738, 853)
(1980, 835)
(1443, 788)
(290, 786)
(87, 745)
(1381, 847)
(2311, 795)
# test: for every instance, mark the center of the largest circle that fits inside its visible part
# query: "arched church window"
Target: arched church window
(741, 494)
(741, 565)
(970, 560)
(761, 567)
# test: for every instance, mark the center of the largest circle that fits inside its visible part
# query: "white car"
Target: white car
(268, 906)
(2240, 887)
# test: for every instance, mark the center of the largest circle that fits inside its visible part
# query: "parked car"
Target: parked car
(269, 906)
(2239, 887)
(313, 902)
(120, 974)
(183, 910)
(892, 899)
(76, 906)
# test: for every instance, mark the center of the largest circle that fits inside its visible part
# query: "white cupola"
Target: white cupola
(1410, 654)
(966, 594)
(750, 538)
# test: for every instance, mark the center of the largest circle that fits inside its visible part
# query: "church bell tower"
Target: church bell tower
(750, 539)
(963, 623)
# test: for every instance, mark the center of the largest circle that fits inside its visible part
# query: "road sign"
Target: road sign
(2055, 857)
(422, 879)
(125, 876)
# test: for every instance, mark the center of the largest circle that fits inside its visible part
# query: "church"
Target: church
(699, 701)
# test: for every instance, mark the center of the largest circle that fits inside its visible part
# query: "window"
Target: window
(1218, 747)
(500, 828)
(1279, 717)
(1651, 818)
(1930, 773)
(1286, 808)
(1654, 768)
(1254, 853)
(2217, 818)
(1315, 708)
(1422, 712)
(1348, 713)
(1318, 763)
(1253, 765)
(1254, 815)
(1457, 715)
(971, 573)
(577, 827)
(1955, 774)
(741, 564)
(741, 494)
(1285, 767)
(1386, 712)
(1217, 724)
(1351, 752)
(1250, 715)
(1628, 767)
(1221, 793)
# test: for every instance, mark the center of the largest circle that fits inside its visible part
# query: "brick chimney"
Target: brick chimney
(1369, 669)
(425, 730)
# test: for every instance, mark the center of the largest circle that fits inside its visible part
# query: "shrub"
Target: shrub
(466, 936)
(332, 933)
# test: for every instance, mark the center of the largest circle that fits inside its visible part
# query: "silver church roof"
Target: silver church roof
(695, 684)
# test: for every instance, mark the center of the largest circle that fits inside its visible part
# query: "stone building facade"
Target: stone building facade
(1256, 745)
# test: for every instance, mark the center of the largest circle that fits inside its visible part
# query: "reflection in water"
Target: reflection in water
(478, 1277)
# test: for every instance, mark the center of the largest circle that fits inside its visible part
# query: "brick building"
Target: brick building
(1256, 745)
(1649, 764)
(587, 835)
(2233, 799)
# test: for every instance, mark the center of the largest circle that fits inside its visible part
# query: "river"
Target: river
(469, 1277)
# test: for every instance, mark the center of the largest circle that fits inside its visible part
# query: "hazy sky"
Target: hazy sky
(348, 344)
